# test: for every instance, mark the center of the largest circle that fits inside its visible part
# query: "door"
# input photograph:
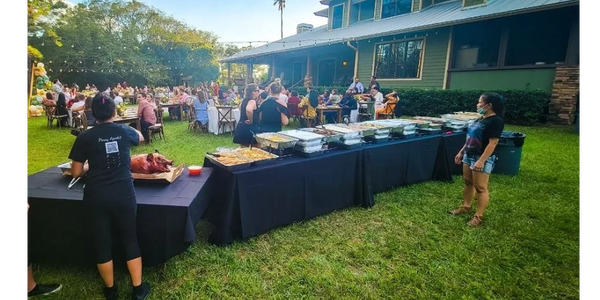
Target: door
(326, 74)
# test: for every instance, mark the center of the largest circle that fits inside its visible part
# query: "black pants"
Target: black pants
(106, 215)
(145, 126)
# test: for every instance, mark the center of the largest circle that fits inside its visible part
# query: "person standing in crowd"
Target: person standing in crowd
(374, 84)
(358, 86)
(109, 201)
(273, 112)
(248, 124)
(477, 155)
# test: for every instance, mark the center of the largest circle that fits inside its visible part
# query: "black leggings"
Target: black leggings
(104, 217)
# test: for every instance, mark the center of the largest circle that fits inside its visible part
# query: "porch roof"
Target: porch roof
(438, 15)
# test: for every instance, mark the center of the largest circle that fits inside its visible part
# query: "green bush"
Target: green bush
(522, 107)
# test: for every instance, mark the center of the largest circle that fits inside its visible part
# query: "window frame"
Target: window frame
(412, 7)
(421, 59)
(343, 5)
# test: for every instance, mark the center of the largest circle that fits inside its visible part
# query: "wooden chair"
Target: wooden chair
(193, 124)
(293, 109)
(51, 116)
(309, 121)
(157, 128)
(226, 118)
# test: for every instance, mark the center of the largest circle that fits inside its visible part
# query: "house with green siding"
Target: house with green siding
(433, 44)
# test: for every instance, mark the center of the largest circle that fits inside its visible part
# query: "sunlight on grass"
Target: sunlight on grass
(405, 247)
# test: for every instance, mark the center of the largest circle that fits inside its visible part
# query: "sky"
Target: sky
(241, 20)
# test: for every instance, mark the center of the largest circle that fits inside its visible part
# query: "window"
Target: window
(540, 38)
(362, 10)
(392, 8)
(338, 14)
(476, 45)
(399, 60)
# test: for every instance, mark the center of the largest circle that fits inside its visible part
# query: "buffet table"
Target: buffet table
(398, 163)
(166, 217)
(253, 201)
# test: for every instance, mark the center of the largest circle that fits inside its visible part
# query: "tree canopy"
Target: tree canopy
(109, 41)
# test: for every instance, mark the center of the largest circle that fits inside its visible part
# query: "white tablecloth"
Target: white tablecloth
(213, 120)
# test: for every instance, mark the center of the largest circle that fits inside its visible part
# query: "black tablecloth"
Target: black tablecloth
(252, 201)
(450, 145)
(167, 215)
(397, 163)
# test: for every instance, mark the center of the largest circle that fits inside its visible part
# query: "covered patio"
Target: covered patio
(332, 64)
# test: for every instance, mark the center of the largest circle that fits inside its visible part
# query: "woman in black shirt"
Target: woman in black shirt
(477, 155)
(273, 112)
(109, 196)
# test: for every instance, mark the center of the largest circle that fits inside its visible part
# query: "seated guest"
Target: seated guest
(390, 105)
(348, 103)
(294, 100)
(79, 103)
(87, 109)
(145, 113)
(49, 100)
(201, 107)
(116, 98)
(309, 103)
(61, 109)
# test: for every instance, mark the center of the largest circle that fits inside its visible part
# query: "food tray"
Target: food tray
(431, 120)
(347, 133)
(380, 128)
(366, 131)
(330, 135)
(421, 124)
(395, 127)
(270, 157)
(305, 138)
(282, 142)
(235, 167)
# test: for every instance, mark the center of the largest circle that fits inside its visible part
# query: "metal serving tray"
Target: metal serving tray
(265, 141)
(230, 168)
(347, 133)
(330, 135)
(305, 138)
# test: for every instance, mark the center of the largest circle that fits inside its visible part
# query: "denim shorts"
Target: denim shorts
(488, 166)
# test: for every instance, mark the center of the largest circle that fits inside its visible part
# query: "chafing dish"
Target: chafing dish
(330, 135)
(275, 140)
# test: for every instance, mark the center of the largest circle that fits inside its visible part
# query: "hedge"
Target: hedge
(523, 107)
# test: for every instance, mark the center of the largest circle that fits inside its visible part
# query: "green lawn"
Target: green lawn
(405, 247)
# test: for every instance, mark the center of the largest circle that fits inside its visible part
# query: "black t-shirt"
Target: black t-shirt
(106, 148)
(270, 115)
(480, 132)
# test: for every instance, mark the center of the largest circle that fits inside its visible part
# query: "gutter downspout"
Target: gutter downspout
(355, 58)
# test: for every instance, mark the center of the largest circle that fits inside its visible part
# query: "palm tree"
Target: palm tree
(281, 4)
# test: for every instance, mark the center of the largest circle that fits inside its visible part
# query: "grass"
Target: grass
(405, 247)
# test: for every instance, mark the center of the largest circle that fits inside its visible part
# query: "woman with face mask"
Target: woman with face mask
(477, 155)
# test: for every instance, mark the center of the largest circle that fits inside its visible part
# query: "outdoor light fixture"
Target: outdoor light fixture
(345, 63)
